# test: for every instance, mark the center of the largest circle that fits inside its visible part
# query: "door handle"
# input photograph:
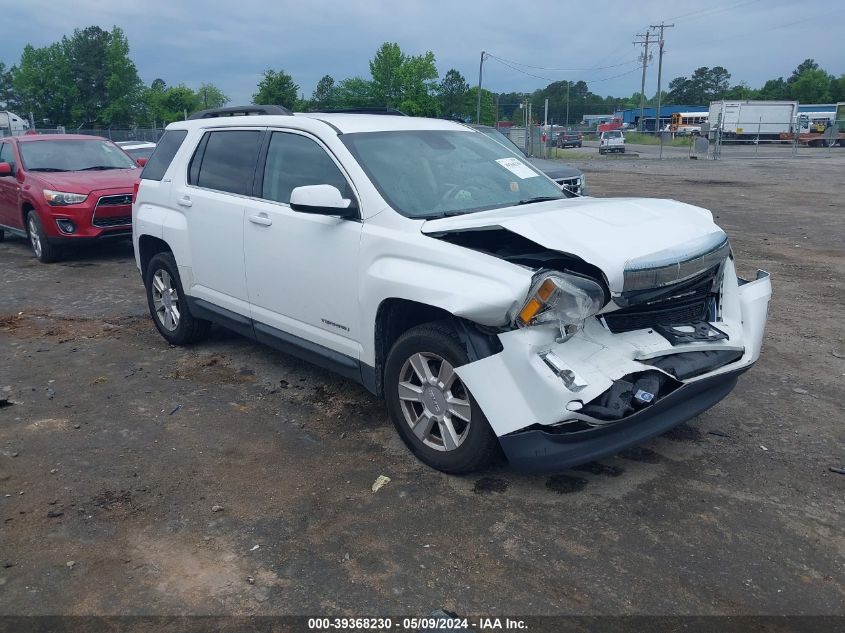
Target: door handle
(263, 220)
(184, 201)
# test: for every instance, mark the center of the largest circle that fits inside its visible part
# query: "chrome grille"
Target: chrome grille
(570, 184)
(685, 302)
(676, 264)
(114, 201)
(111, 218)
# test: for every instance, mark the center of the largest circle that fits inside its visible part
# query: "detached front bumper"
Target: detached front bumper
(543, 451)
(540, 418)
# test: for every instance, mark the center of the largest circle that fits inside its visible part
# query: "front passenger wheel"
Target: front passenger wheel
(431, 408)
(168, 305)
(43, 250)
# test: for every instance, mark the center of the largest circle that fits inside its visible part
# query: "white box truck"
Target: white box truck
(749, 120)
(11, 124)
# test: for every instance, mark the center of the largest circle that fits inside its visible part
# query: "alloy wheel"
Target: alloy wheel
(34, 237)
(165, 300)
(434, 401)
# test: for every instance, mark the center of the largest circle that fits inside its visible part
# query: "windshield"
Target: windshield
(501, 139)
(73, 155)
(435, 173)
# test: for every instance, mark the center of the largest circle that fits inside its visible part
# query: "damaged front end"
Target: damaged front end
(662, 349)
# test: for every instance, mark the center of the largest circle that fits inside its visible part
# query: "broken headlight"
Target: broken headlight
(560, 298)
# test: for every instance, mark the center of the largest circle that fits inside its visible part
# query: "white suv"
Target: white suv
(424, 260)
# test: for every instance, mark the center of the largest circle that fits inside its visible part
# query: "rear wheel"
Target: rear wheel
(2, 235)
(168, 305)
(431, 408)
(41, 248)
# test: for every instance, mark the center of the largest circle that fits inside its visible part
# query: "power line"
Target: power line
(549, 79)
(772, 28)
(712, 10)
(561, 70)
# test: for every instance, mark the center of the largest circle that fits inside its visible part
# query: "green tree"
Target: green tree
(837, 89)
(8, 95)
(165, 104)
(354, 92)
(452, 94)
(807, 64)
(324, 93)
(740, 91)
(812, 85)
(44, 84)
(488, 105)
(210, 96)
(386, 72)
(773, 90)
(123, 87)
(276, 88)
(85, 51)
(418, 84)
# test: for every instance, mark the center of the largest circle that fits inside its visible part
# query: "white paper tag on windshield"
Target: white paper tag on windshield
(517, 167)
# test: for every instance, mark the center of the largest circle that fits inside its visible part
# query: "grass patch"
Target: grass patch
(651, 139)
(568, 154)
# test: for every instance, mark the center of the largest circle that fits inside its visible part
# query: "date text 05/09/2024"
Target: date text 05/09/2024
(416, 624)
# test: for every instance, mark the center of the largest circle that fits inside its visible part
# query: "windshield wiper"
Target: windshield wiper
(100, 167)
(46, 169)
(538, 199)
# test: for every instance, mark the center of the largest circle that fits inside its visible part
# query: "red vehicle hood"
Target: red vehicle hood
(87, 181)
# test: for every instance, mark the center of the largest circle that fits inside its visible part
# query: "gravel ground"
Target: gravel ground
(136, 478)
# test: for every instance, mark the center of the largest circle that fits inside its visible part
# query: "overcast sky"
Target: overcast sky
(229, 43)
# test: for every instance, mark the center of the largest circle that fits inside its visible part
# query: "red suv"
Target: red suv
(64, 189)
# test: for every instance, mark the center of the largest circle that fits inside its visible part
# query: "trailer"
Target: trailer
(819, 129)
(752, 120)
(11, 124)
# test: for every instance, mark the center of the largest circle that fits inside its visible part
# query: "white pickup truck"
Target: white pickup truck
(612, 141)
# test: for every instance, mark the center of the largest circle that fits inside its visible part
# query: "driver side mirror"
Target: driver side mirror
(6, 169)
(322, 200)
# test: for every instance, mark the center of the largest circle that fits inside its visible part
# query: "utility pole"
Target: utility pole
(644, 42)
(546, 130)
(478, 105)
(660, 42)
(568, 83)
(497, 111)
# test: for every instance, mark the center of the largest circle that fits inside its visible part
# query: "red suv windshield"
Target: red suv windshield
(73, 155)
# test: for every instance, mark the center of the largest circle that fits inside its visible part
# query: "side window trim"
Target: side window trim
(258, 184)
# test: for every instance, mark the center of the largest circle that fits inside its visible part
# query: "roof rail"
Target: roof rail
(364, 110)
(249, 110)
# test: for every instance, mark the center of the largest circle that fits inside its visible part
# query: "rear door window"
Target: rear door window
(163, 154)
(225, 161)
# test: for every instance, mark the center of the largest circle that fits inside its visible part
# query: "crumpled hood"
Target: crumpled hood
(85, 182)
(607, 233)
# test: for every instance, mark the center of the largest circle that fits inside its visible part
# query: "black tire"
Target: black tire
(42, 249)
(479, 446)
(601, 151)
(2, 235)
(188, 329)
